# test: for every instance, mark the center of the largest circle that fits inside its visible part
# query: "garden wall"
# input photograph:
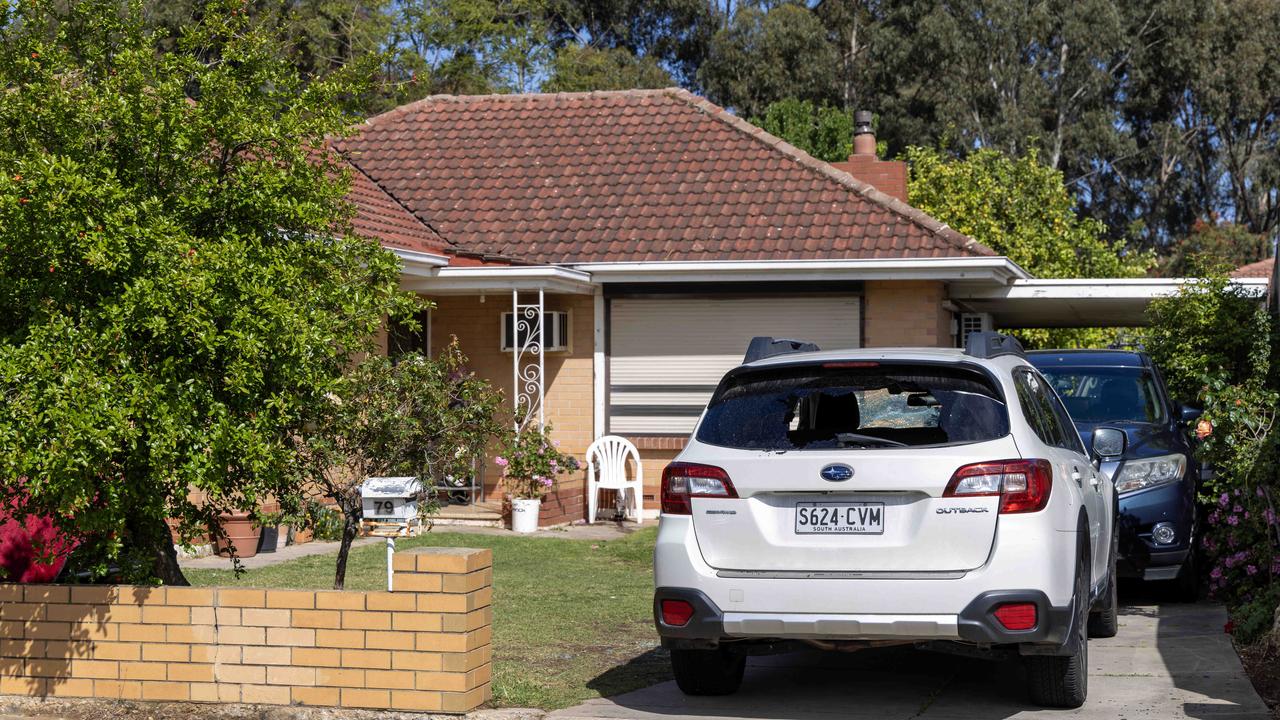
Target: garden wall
(425, 646)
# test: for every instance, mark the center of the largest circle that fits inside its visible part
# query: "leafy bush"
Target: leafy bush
(1216, 344)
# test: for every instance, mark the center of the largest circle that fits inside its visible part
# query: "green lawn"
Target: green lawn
(572, 618)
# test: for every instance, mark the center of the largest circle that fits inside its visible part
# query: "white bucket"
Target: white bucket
(524, 514)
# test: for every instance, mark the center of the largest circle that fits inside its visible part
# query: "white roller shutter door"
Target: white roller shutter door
(667, 354)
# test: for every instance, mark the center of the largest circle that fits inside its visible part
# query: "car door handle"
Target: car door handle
(1075, 475)
(1095, 481)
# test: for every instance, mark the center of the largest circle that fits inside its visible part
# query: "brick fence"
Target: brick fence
(425, 646)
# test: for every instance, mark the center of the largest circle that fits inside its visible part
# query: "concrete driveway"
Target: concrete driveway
(1169, 661)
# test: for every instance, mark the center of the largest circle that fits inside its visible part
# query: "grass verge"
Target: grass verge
(572, 618)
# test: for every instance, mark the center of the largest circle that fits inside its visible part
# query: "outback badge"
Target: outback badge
(836, 473)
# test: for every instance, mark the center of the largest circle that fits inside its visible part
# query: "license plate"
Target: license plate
(840, 518)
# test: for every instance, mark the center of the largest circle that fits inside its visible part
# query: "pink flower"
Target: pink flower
(557, 444)
(501, 461)
(546, 482)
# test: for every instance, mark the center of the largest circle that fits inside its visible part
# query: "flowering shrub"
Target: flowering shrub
(1217, 343)
(32, 549)
(530, 461)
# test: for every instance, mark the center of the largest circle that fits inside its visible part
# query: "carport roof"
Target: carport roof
(1075, 303)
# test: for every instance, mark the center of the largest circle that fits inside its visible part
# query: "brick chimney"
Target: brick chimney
(887, 176)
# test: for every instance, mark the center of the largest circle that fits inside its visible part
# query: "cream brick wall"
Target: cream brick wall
(568, 379)
(906, 313)
(424, 647)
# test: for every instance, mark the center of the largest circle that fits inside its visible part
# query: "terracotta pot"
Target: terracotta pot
(241, 532)
(302, 536)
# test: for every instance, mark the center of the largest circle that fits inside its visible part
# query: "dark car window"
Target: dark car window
(853, 405)
(1102, 395)
(1037, 406)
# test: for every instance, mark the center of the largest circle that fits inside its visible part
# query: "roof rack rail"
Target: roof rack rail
(764, 346)
(992, 344)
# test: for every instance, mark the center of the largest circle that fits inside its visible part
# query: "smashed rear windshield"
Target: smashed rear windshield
(871, 405)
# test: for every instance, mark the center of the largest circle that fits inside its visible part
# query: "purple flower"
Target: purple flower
(1269, 515)
(1251, 569)
(1260, 493)
(1217, 573)
(1233, 520)
(1223, 500)
(500, 461)
(1237, 509)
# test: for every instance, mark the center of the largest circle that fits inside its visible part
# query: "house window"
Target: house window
(401, 339)
(555, 332)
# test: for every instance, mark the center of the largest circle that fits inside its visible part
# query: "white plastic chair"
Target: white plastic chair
(609, 456)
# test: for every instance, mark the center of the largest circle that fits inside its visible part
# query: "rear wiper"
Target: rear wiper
(860, 439)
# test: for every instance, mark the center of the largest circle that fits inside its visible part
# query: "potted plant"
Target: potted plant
(530, 462)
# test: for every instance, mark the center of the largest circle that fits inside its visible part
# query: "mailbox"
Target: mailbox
(391, 499)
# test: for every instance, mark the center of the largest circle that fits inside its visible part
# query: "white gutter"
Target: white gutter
(418, 264)
(490, 278)
(997, 269)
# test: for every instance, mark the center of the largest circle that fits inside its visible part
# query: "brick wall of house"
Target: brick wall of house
(567, 380)
(906, 313)
(425, 646)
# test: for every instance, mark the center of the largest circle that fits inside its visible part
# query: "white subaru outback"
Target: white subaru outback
(863, 498)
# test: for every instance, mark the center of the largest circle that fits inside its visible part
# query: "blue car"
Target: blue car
(1153, 464)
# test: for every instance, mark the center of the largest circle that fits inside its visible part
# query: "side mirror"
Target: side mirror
(1190, 414)
(1108, 443)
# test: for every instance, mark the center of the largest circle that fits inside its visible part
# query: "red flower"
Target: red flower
(1230, 627)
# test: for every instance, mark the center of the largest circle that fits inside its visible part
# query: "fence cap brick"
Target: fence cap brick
(451, 559)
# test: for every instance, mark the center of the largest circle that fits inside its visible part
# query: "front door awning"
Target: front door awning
(1109, 302)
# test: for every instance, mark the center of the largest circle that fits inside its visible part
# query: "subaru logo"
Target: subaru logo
(836, 473)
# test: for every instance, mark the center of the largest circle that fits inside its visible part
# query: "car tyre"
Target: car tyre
(1104, 621)
(707, 672)
(1063, 681)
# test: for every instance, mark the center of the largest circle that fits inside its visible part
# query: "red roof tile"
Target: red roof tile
(1260, 269)
(380, 216)
(627, 176)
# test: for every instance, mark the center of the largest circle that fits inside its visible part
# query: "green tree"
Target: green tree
(472, 46)
(177, 286)
(674, 33)
(768, 54)
(1021, 209)
(411, 416)
(1211, 246)
(822, 131)
(578, 68)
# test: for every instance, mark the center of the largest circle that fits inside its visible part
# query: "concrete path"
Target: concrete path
(1169, 661)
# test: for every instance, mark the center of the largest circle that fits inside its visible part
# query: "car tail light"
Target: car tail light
(676, 613)
(1016, 616)
(1023, 485)
(683, 481)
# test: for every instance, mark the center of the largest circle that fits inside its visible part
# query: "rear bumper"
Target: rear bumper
(976, 624)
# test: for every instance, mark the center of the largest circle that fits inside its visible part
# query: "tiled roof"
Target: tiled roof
(629, 176)
(379, 216)
(1260, 269)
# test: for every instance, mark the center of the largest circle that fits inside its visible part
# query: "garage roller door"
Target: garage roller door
(667, 354)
